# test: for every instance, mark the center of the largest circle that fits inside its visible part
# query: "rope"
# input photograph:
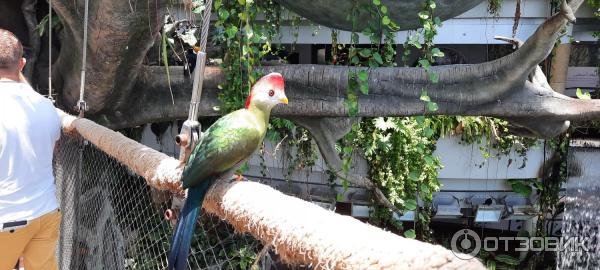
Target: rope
(50, 50)
(205, 25)
(82, 106)
(200, 64)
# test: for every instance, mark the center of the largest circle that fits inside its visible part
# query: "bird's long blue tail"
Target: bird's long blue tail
(186, 223)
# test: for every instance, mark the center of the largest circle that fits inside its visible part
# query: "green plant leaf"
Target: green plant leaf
(410, 205)
(437, 53)
(365, 53)
(364, 88)
(432, 106)
(434, 77)
(424, 63)
(521, 188)
(414, 176)
(223, 14)
(582, 95)
(425, 97)
(363, 75)
(231, 31)
(377, 58)
(385, 20)
(410, 234)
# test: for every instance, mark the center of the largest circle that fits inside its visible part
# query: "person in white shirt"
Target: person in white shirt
(29, 129)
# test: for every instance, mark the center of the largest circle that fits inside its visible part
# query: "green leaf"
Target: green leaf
(377, 2)
(437, 53)
(377, 58)
(410, 205)
(385, 20)
(414, 176)
(410, 234)
(434, 77)
(424, 63)
(521, 188)
(581, 95)
(428, 132)
(364, 88)
(363, 75)
(231, 31)
(429, 160)
(223, 14)
(432, 106)
(365, 53)
(425, 97)
(423, 15)
(383, 9)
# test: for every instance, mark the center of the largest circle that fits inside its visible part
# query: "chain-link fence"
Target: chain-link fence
(113, 220)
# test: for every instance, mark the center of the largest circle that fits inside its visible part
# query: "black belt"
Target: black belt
(13, 224)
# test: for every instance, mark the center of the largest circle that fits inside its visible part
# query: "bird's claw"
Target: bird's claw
(238, 177)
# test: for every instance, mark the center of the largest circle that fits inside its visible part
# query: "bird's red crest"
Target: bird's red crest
(272, 81)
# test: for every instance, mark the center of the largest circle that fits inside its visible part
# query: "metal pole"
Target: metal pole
(190, 133)
(50, 50)
(82, 106)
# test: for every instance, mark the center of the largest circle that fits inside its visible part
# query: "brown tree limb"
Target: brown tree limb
(326, 132)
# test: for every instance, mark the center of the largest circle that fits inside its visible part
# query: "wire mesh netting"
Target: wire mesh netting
(113, 220)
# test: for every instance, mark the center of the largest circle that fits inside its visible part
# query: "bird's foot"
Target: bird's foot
(238, 177)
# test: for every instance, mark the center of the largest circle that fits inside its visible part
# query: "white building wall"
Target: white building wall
(475, 26)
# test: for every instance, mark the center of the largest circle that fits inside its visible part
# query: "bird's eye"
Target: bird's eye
(271, 93)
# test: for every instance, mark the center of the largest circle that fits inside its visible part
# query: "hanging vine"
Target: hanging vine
(399, 151)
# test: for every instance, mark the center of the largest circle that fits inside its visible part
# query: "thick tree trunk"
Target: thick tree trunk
(121, 92)
(120, 35)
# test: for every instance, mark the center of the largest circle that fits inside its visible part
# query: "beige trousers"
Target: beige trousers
(36, 243)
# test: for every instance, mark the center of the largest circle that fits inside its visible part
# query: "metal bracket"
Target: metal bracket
(188, 138)
(81, 107)
(51, 98)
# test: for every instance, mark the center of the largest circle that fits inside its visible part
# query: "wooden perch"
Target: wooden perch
(302, 233)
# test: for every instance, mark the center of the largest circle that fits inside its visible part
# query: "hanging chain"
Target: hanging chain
(81, 104)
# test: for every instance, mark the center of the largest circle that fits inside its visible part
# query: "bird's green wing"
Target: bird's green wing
(230, 140)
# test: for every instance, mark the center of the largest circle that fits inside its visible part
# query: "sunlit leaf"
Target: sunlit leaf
(410, 234)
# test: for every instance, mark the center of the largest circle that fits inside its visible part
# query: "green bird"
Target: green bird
(224, 147)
